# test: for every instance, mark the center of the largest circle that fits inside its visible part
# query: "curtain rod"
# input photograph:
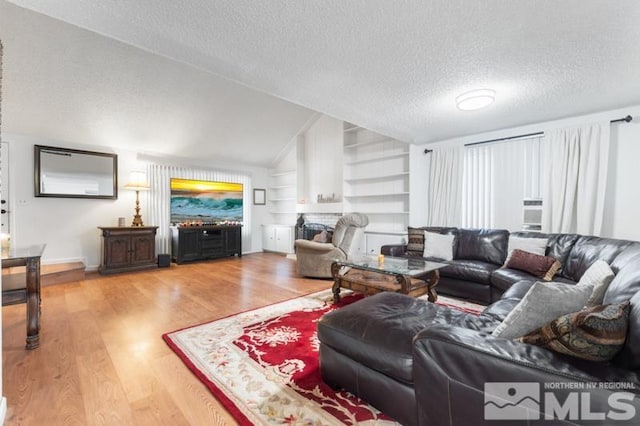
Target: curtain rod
(626, 119)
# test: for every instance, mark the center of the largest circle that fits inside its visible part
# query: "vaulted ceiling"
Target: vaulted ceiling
(237, 79)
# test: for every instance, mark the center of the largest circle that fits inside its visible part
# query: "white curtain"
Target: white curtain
(159, 198)
(575, 177)
(445, 187)
(497, 177)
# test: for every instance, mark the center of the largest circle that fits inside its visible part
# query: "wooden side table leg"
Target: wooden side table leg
(33, 303)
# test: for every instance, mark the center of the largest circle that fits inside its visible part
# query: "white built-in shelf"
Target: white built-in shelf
(282, 187)
(353, 129)
(285, 173)
(384, 231)
(379, 158)
(380, 177)
(279, 212)
(376, 142)
(283, 199)
(388, 194)
(384, 213)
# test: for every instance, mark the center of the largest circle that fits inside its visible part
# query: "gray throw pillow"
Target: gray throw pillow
(438, 245)
(544, 302)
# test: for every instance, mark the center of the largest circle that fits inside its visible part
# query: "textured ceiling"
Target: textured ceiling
(391, 66)
(66, 84)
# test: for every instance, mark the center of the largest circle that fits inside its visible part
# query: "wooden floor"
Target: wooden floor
(102, 360)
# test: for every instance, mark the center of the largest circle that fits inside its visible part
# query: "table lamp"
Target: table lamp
(137, 182)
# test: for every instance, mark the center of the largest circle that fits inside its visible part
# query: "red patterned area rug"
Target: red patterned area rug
(262, 365)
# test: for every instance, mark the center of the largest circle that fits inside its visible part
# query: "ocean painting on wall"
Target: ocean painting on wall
(205, 201)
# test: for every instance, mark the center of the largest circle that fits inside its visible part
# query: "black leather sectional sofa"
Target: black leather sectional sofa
(476, 271)
(426, 364)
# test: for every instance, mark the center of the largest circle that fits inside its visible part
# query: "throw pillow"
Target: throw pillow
(438, 245)
(541, 304)
(531, 245)
(596, 333)
(321, 237)
(415, 241)
(544, 267)
(598, 276)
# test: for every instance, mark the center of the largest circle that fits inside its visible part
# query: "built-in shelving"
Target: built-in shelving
(369, 143)
(380, 177)
(284, 173)
(376, 183)
(378, 158)
(388, 194)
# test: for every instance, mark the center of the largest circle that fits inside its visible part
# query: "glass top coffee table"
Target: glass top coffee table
(374, 274)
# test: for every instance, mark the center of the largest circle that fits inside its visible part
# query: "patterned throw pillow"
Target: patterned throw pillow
(415, 244)
(596, 334)
(544, 267)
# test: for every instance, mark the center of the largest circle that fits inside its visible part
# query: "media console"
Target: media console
(189, 243)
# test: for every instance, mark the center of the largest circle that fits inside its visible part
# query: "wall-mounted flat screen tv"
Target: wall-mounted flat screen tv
(205, 201)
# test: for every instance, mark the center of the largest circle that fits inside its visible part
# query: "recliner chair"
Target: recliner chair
(314, 259)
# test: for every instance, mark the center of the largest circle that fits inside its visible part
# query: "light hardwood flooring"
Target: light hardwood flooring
(102, 360)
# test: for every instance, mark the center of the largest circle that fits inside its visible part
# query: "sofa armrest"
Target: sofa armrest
(314, 246)
(395, 250)
(461, 361)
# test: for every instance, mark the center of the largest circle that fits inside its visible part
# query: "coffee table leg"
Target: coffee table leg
(335, 273)
(336, 291)
(433, 296)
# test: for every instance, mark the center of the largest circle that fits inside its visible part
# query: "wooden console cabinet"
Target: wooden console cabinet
(190, 243)
(128, 249)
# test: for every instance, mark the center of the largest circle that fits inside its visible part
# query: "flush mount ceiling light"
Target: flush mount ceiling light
(475, 99)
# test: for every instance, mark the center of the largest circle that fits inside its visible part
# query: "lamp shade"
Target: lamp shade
(138, 181)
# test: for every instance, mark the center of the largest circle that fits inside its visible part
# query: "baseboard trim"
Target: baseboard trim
(3, 410)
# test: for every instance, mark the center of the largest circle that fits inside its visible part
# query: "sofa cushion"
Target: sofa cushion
(542, 303)
(469, 270)
(438, 246)
(378, 331)
(500, 309)
(626, 283)
(587, 250)
(596, 333)
(415, 237)
(543, 267)
(629, 356)
(504, 278)
(558, 245)
(487, 245)
(518, 289)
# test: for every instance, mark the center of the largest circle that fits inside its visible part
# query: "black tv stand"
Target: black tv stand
(191, 243)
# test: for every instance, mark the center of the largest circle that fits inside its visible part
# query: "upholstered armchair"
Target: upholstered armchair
(315, 258)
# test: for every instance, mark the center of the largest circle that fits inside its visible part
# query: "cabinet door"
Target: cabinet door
(284, 239)
(144, 249)
(269, 238)
(233, 243)
(189, 246)
(117, 251)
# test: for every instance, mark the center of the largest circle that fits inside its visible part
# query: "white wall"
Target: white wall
(622, 198)
(322, 154)
(69, 226)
